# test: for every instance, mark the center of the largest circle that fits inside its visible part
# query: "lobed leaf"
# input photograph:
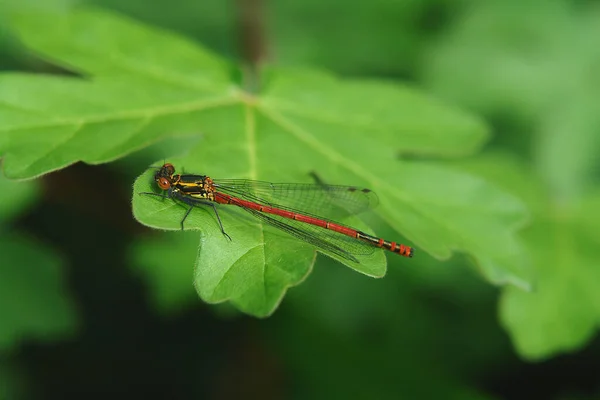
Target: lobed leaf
(560, 314)
(348, 131)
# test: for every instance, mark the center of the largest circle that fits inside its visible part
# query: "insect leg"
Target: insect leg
(194, 203)
(164, 196)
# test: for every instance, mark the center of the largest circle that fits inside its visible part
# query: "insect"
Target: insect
(291, 207)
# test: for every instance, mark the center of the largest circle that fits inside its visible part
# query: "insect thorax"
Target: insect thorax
(199, 189)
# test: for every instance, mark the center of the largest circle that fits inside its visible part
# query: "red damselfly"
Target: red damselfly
(295, 208)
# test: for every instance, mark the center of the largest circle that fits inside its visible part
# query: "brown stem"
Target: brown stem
(251, 20)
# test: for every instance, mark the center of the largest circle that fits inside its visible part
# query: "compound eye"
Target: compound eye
(169, 168)
(163, 183)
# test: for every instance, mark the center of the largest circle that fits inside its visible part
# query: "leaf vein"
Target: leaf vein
(140, 113)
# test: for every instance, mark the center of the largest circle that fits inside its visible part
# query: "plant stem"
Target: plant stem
(252, 41)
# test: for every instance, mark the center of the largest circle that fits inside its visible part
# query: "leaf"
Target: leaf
(227, 269)
(488, 51)
(8, 7)
(394, 114)
(386, 36)
(505, 77)
(33, 300)
(561, 313)
(165, 263)
(486, 62)
(102, 43)
(365, 332)
(349, 131)
(141, 94)
(254, 269)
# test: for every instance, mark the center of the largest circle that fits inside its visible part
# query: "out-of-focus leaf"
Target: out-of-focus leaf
(562, 311)
(166, 264)
(10, 6)
(488, 51)
(562, 314)
(214, 22)
(391, 325)
(499, 60)
(33, 300)
(380, 36)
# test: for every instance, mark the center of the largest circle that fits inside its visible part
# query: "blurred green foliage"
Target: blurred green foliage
(33, 302)
(524, 210)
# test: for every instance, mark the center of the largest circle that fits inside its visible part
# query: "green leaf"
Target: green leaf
(562, 311)
(254, 269)
(140, 94)
(33, 301)
(486, 62)
(386, 36)
(165, 263)
(562, 314)
(348, 131)
(358, 331)
(249, 269)
(395, 115)
(102, 43)
(71, 120)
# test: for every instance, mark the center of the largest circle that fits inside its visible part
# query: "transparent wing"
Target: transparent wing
(331, 201)
(324, 239)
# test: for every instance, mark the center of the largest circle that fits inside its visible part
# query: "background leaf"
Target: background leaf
(560, 313)
(164, 263)
(517, 70)
(33, 302)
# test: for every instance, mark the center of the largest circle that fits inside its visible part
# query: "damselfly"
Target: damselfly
(295, 208)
